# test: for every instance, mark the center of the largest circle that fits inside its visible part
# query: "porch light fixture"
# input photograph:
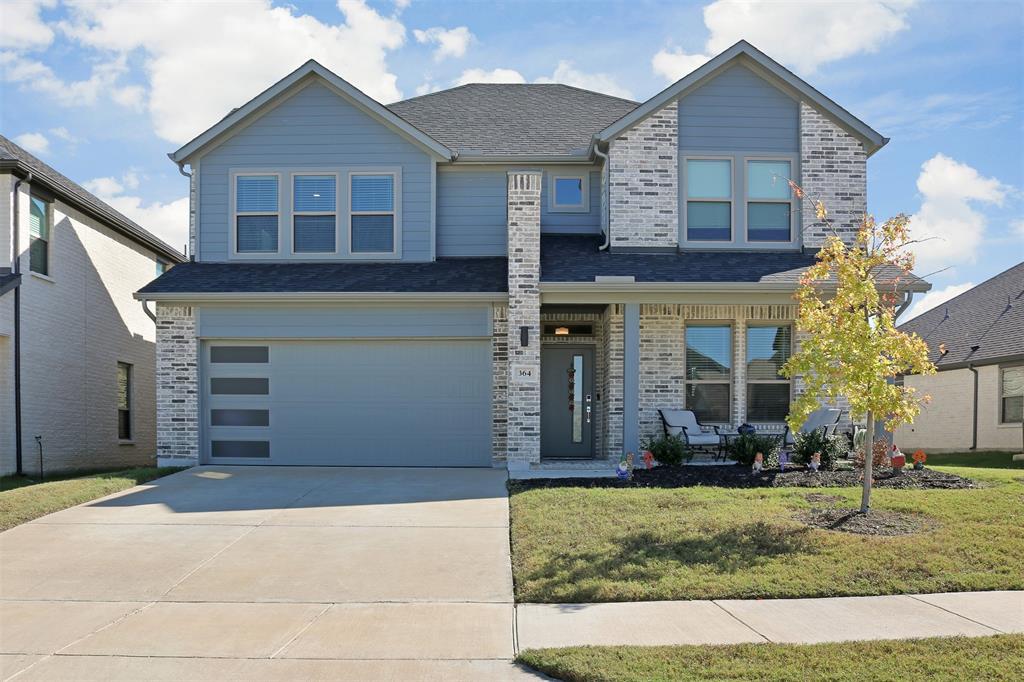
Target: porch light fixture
(561, 331)
(524, 336)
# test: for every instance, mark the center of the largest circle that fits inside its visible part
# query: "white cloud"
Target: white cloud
(1017, 228)
(451, 42)
(203, 59)
(169, 221)
(37, 76)
(426, 87)
(947, 219)
(909, 117)
(62, 133)
(934, 298)
(492, 76)
(568, 74)
(131, 96)
(803, 35)
(22, 28)
(37, 143)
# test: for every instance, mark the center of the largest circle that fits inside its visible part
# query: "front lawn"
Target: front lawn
(984, 460)
(1000, 657)
(23, 499)
(637, 544)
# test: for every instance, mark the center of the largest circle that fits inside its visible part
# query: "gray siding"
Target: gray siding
(738, 111)
(471, 211)
(323, 322)
(315, 128)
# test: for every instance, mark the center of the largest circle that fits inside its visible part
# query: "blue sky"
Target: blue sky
(103, 91)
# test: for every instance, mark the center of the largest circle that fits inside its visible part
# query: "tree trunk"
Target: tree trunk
(869, 455)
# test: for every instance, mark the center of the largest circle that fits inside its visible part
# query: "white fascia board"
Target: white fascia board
(321, 296)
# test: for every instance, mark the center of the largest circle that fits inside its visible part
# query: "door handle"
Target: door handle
(588, 401)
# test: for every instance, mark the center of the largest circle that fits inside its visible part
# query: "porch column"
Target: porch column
(631, 378)
(177, 387)
(523, 403)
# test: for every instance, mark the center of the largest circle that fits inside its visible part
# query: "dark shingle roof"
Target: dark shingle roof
(490, 119)
(13, 157)
(981, 325)
(460, 275)
(8, 281)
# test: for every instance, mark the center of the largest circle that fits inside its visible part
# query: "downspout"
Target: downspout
(191, 256)
(16, 244)
(974, 420)
(606, 174)
(908, 296)
(149, 313)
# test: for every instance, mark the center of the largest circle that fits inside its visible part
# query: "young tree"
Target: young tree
(847, 310)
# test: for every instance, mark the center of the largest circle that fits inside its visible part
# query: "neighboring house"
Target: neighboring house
(495, 274)
(977, 397)
(69, 264)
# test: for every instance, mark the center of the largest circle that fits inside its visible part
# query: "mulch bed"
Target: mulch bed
(735, 476)
(875, 522)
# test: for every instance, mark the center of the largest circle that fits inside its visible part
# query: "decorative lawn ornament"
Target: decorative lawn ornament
(783, 459)
(648, 459)
(919, 459)
(758, 463)
(624, 470)
(815, 462)
(897, 459)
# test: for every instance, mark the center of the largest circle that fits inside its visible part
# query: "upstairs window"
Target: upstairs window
(256, 213)
(708, 199)
(1011, 399)
(39, 229)
(768, 349)
(314, 214)
(769, 201)
(568, 194)
(372, 214)
(709, 371)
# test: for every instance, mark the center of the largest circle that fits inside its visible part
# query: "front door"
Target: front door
(567, 401)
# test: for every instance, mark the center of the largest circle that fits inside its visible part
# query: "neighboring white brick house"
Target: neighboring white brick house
(77, 322)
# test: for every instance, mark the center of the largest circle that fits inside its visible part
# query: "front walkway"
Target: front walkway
(267, 573)
(798, 621)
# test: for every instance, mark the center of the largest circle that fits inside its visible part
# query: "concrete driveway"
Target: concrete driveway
(267, 573)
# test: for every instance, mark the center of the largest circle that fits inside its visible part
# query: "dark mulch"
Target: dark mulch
(735, 476)
(875, 522)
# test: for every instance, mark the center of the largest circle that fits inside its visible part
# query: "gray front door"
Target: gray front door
(567, 401)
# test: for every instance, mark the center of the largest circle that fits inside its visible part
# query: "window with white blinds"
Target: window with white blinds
(709, 371)
(256, 213)
(372, 213)
(768, 392)
(314, 213)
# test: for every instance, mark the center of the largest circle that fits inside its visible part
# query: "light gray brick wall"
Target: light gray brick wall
(499, 404)
(661, 364)
(643, 187)
(523, 406)
(612, 329)
(177, 387)
(833, 169)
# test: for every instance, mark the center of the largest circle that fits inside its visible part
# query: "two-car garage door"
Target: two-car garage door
(358, 402)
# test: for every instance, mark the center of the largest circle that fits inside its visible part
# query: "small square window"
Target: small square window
(568, 193)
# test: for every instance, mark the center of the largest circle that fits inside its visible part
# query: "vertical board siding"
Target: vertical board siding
(471, 207)
(739, 111)
(314, 128)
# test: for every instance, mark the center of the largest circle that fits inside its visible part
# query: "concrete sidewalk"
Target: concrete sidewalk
(803, 621)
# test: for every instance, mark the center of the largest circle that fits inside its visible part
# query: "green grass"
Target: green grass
(984, 460)
(599, 545)
(23, 498)
(999, 657)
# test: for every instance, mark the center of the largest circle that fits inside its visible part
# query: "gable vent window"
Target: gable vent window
(315, 213)
(769, 201)
(708, 199)
(256, 213)
(39, 229)
(373, 213)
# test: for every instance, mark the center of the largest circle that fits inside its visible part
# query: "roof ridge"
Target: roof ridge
(528, 85)
(945, 304)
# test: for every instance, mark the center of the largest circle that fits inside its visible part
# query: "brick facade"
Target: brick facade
(177, 386)
(499, 386)
(612, 329)
(833, 169)
(661, 364)
(523, 406)
(643, 183)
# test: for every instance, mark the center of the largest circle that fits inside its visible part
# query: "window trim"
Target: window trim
(747, 200)
(292, 213)
(730, 382)
(131, 401)
(49, 224)
(1002, 393)
(233, 198)
(396, 212)
(583, 206)
(748, 381)
(685, 185)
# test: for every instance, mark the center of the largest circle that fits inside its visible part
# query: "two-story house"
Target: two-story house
(77, 351)
(495, 275)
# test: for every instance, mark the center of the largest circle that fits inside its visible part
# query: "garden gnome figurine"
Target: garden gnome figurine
(898, 459)
(815, 461)
(783, 459)
(648, 459)
(625, 468)
(758, 462)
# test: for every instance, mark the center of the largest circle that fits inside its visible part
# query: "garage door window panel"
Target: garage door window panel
(242, 449)
(239, 386)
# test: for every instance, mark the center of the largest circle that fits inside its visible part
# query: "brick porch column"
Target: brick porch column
(177, 387)
(523, 401)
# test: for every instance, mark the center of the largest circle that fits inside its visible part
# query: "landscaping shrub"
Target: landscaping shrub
(879, 455)
(744, 448)
(668, 450)
(832, 448)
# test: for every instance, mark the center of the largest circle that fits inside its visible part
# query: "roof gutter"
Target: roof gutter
(322, 296)
(562, 160)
